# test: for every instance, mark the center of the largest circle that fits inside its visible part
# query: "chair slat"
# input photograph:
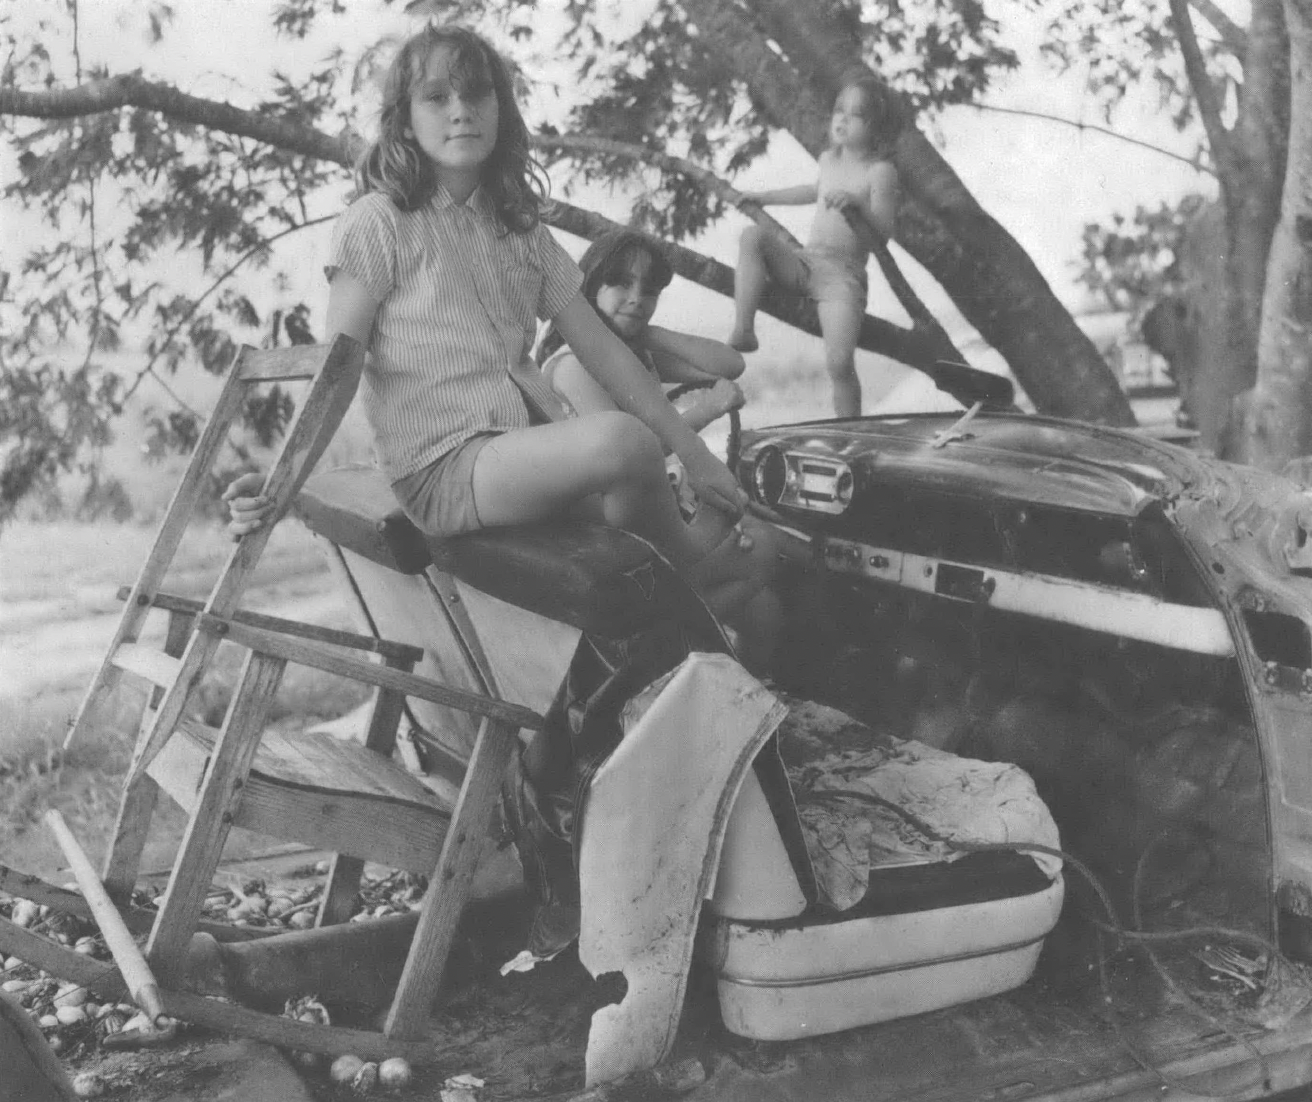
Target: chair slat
(147, 662)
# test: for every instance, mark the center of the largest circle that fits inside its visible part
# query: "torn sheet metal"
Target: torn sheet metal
(653, 827)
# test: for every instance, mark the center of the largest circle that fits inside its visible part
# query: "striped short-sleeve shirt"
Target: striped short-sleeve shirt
(458, 301)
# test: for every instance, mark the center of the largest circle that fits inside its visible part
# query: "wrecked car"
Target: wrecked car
(1118, 620)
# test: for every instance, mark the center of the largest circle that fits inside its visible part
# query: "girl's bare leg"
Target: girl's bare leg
(840, 324)
(611, 461)
(761, 257)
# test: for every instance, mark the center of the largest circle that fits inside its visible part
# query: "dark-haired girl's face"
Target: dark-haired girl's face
(628, 298)
(454, 119)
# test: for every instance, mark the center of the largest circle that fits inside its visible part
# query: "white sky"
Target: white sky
(1042, 181)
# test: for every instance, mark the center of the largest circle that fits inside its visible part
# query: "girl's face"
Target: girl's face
(849, 127)
(629, 304)
(453, 119)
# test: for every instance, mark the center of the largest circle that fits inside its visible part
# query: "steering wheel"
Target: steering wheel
(733, 449)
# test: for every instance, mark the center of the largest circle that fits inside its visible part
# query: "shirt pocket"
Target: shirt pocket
(521, 277)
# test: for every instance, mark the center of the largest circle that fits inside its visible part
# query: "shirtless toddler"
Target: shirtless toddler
(855, 173)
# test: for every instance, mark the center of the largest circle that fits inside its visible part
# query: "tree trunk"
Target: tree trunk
(984, 270)
(1251, 186)
(1276, 415)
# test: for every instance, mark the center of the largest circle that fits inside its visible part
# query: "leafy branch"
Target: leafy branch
(877, 335)
(171, 333)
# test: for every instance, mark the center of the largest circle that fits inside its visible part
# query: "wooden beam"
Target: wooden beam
(132, 965)
(386, 647)
(448, 888)
(306, 654)
(212, 817)
(299, 1036)
(96, 976)
(26, 885)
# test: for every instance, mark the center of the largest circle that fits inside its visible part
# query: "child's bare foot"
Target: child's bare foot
(743, 339)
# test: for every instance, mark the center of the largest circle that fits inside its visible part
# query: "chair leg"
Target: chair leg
(449, 886)
(137, 804)
(344, 876)
(212, 816)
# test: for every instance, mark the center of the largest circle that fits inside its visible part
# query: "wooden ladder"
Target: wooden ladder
(348, 797)
(334, 374)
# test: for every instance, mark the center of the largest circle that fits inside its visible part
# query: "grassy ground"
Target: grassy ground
(57, 613)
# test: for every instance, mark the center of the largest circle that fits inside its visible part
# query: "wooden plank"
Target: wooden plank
(298, 1036)
(289, 364)
(321, 411)
(137, 803)
(462, 627)
(26, 885)
(354, 573)
(344, 876)
(307, 654)
(403, 834)
(212, 817)
(386, 647)
(340, 890)
(161, 554)
(132, 965)
(96, 976)
(449, 885)
(146, 662)
(139, 920)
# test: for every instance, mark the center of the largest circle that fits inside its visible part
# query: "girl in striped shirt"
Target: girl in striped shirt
(441, 268)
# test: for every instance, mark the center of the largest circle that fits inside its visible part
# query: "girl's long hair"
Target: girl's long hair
(395, 165)
(608, 261)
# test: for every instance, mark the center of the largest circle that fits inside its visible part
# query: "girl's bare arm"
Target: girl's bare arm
(684, 358)
(610, 361)
(784, 197)
(573, 382)
(351, 309)
(586, 395)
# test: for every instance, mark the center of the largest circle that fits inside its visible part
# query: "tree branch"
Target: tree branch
(1232, 34)
(877, 335)
(190, 312)
(1223, 152)
(907, 346)
(131, 90)
(583, 145)
(1193, 163)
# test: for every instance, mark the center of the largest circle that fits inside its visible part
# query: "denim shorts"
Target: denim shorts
(439, 498)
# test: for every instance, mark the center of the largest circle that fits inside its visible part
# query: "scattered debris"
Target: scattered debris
(88, 1085)
(461, 1088)
(526, 960)
(678, 1077)
(1226, 965)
